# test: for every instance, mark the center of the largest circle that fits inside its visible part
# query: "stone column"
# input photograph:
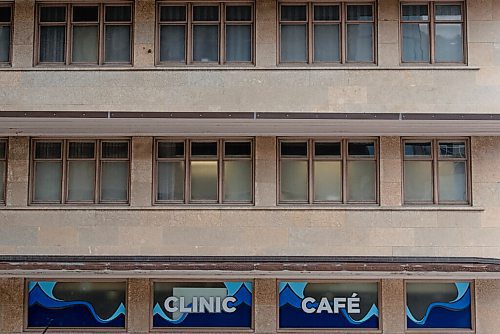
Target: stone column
(266, 47)
(265, 305)
(23, 33)
(388, 33)
(393, 316)
(144, 33)
(141, 173)
(487, 306)
(265, 171)
(139, 295)
(11, 305)
(390, 171)
(17, 171)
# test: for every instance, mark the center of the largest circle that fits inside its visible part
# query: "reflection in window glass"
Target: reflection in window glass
(293, 180)
(204, 180)
(361, 181)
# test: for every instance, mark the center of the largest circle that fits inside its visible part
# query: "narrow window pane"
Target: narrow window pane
(52, 14)
(238, 13)
(85, 44)
(114, 150)
(418, 149)
(356, 149)
(206, 149)
(238, 181)
(85, 13)
(327, 181)
(449, 46)
(359, 42)
(81, 180)
(5, 14)
(206, 13)
(3, 150)
(171, 180)
(170, 150)
(293, 180)
(172, 13)
(418, 181)
(118, 44)
(361, 181)
(452, 181)
(294, 149)
(448, 12)
(415, 13)
(293, 43)
(172, 43)
(114, 180)
(359, 13)
(238, 43)
(205, 43)
(452, 150)
(415, 42)
(48, 177)
(52, 44)
(237, 149)
(204, 180)
(2, 181)
(326, 13)
(326, 42)
(293, 13)
(48, 150)
(81, 150)
(118, 13)
(4, 43)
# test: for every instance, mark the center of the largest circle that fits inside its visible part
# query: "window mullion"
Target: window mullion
(310, 171)
(310, 36)
(343, 152)
(435, 181)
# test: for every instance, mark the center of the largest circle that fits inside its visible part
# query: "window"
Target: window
(328, 171)
(3, 169)
(98, 34)
(327, 33)
(436, 171)
(205, 33)
(204, 171)
(5, 32)
(432, 32)
(80, 171)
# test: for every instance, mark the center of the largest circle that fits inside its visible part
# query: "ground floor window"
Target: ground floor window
(3, 169)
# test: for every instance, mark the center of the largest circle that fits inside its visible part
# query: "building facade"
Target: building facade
(250, 166)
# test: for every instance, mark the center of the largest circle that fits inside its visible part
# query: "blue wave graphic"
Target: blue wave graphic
(453, 314)
(41, 300)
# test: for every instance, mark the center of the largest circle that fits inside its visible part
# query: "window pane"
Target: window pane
(52, 44)
(361, 181)
(80, 150)
(114, 150)
(449, 12)
(114, 180)
(418, 149)
(326, 42)
(85, 44)
(238, 181)
(293, 180)
(359, 13)
(418, 181)
(172, 13)
(205, 43)
(171, 181)
(4, 43)
(361, 149)
(204, 180)
(452, 150)
(85, 13)
(118, 44)
(237, 149)
(170, 150)
(327, 181)
(327, 149)
(415, 13)
(359, 42)
(293, 43)
(172, 43)
(293, 13)
(238, 43)
(206, 13)
(449, 47)
(52, 14)
(415, 42)
(204, 149)
(294, 149)
(326, 13)
(48, 150)
(3, 150)
(48, 176)
(5, 14)
(452, 181)
(81, 180)
(238, 13)
(2, 180)
(118, 13)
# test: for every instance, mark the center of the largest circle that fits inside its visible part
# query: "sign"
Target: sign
(202, 304)
(328, 305)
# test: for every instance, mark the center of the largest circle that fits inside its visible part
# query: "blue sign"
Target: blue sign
(438, 305)
(304, 305)
(202, 304)
(76, 304)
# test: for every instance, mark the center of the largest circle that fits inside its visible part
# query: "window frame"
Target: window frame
(5, 159)
(431, 22)
(343, 22)
(69, 25)
(63, 200)
(435, 159)
(9, 24)
(187, 159)
(189, 24)
(344, 159)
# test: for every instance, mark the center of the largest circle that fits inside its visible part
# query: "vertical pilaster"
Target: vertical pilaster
(265, 305)
(11, 305)
(265, 171)
(23, 33)
(487, 305)
(141, 171)
(17, 171)
(144, 33)
(393, 316)
(390, 171)
(266, 33)
(139, 311)
(388, 33)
